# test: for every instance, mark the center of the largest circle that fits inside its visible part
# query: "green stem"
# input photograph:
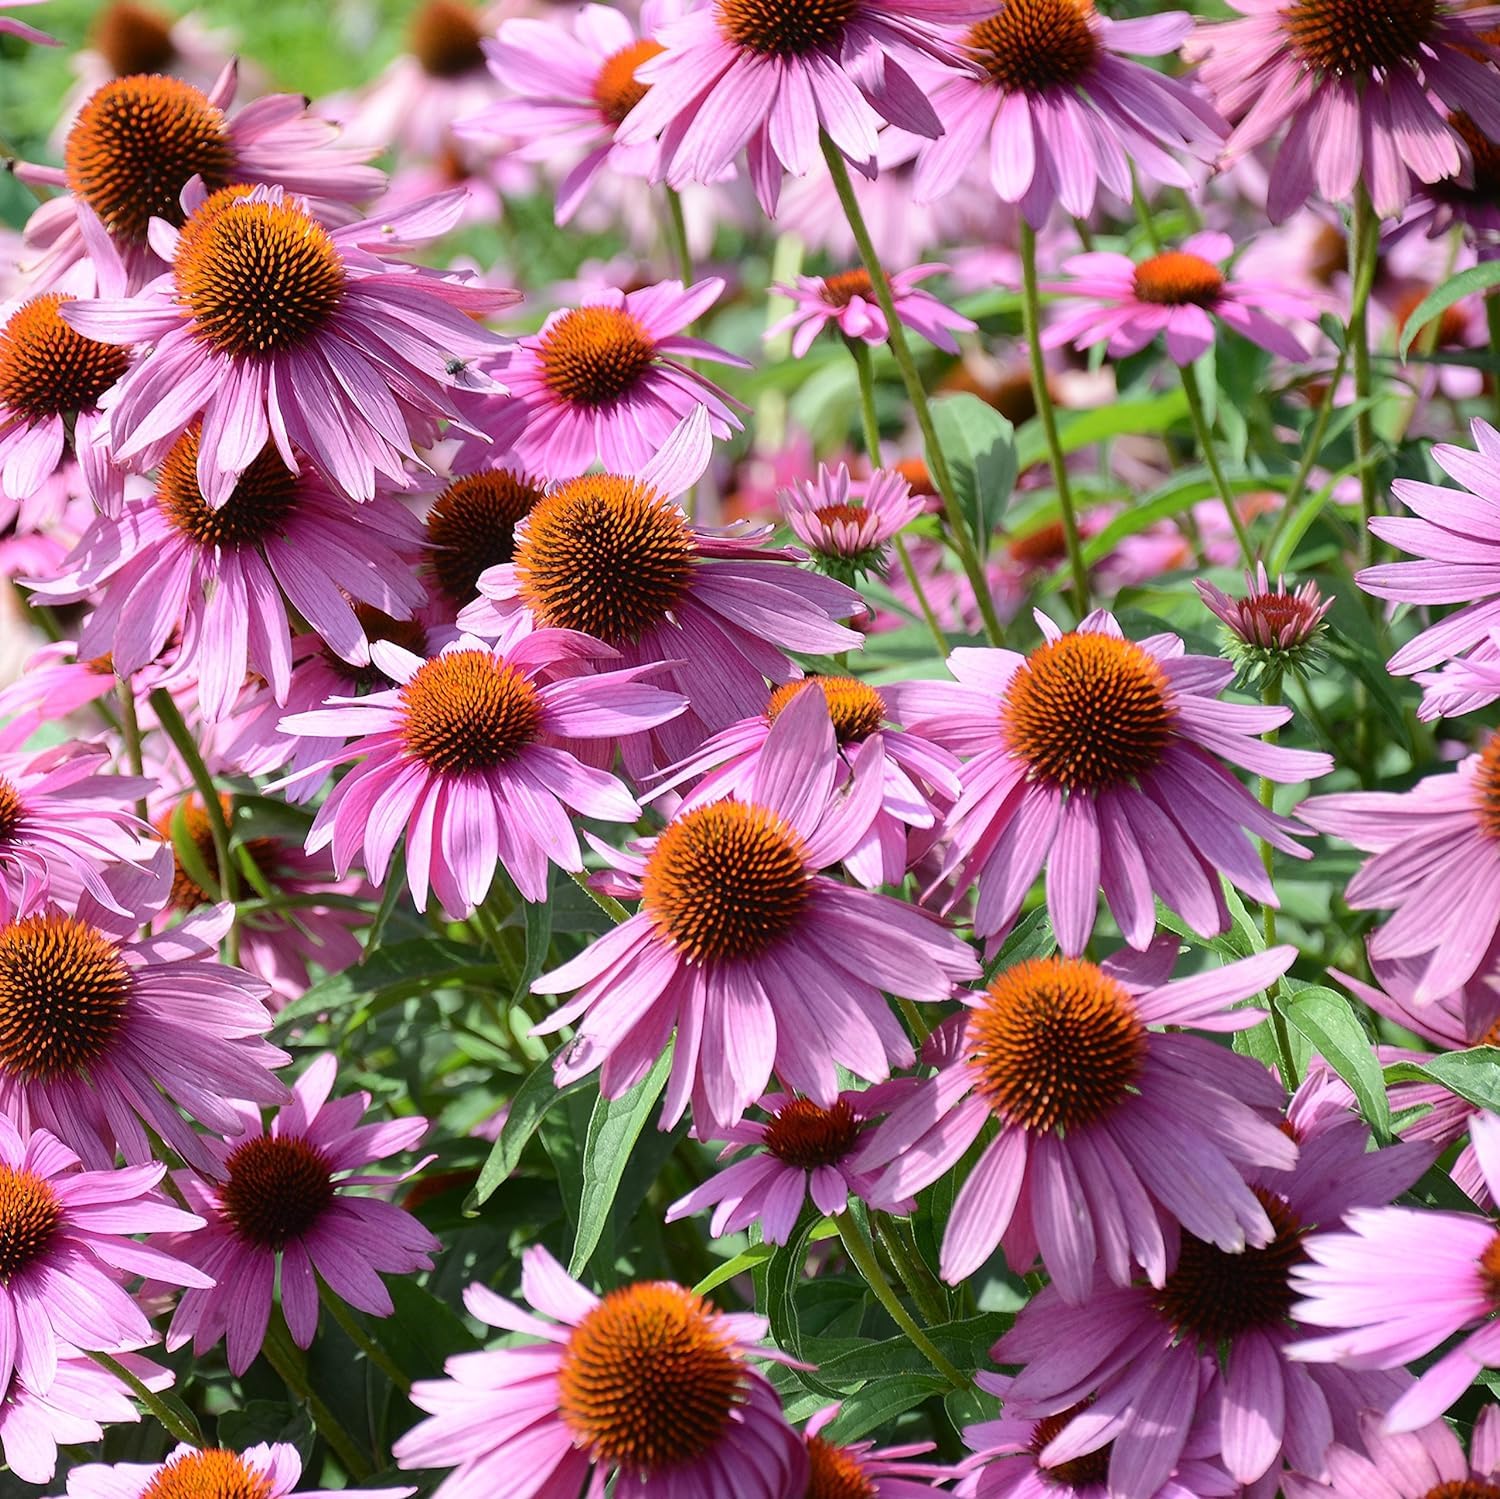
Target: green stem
(177, 731)
(288, 1364)
(606, 903)
(1211, 458)
(677, 235)
(1143, 213)
(1492, 315)
(915, 1023)
(862, 1252)
(915, 1275)
(149, 1398)
(865, 365)
(1031, 325)
(937, 463)
(1364, 244)
(130, 727)
(1271, 696)
(1312, 447)
(361, 1339)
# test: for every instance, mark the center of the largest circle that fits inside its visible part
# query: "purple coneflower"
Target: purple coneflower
(847, 524)
(615, 556)
(861, 1470)
(1435, 861)
(756, 958)
(1456, 534)
(1058, 108)
(1420, 1464)
(650, 1385)
(1178, 293)
(276, 329)
(919, 780)
(1269, 630)
(805, 1151)
(9, 26)
(1110, 1125)
(279, 1202)
(606, 383)
(104, 1035)
(1100, 758)
(1360, 1281)
(269, 1470)
(464, 757)
(847, 300)
(229, 575)
(1364, 86)
(1126, 1365)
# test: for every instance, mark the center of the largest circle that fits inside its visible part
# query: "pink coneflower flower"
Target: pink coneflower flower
(606, 383)
(1435, 861)
(80, 1402)
(138, 142)
(125, 38)
(571, 90)
(279, 1202)
(269, 1470)
(1471, 198)
(471, 528)
(1269, 629)
(758, 959)
(847, 525)
(1361, 1282)
(769, 75)
(1456, 534)
(9, 26)
(229, 575)
(804, 1152)
(847, 300)
(1109, 1126)
(1139, 1351)
(1100, 758)
(1178, 293)
(102, 1033)
(1062, 109)
(349, 361)
(1006, 1464)
(1365, 89)
(463, 756)
(1409, 1465)
(650, 1384)
(919, 780)
(64, 1250)
(861, 1470)
(614, 556)
(62, 822)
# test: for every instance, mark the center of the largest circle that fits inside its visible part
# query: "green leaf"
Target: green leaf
(968, 1406)
(1032, 938)
(1082, 429)
(980, 446)
(1473, 1074)
(422, 1332)
(187, 853)
(1328, 1020)
(396, 972)
(538, 942)
(267, 1421)
(1478, 278)
(747, 1259)
(614, 1127)
(534, 1099)
(880, 1401)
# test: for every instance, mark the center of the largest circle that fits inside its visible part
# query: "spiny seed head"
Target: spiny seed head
(468, 711)
(836, 1473)
(445, 36)
(262, 501)
(29, 1216)
(1359, 39)
(616, 89)
(1081, 1472)
(1487, 786)
(805, 1135)
(1178, 278)
(46, 369)
(472, 528)
(856, 709)
(132, 38)
(786, 28)
(211, 1473)
(277, 1189)
(1029, 46)
(591, 356)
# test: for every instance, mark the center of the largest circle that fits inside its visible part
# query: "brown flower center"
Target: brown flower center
(46, 369)
(1033, 45)
(1043, 547)
(12, 809)
(593, 355)
(1215, 1296)
(726, 881)
(260, 504)
(468, 711)
(409, 634)
(278, 1187)
(842, 289)
(856, 709)
(209, 1474)
(29, 1215)
(445, 38)
(1484, 159)
(258, 278)
(1487, 786)
(1327, 255)
(1464, 1488)
(1087, 712)
(616, 89)
(1078, 1473)
(606, 555)
(187, 893)
(1056, 1044)
(1358, 38)
(649, 1380)
(836, 1473)
(1489, 1270)
(133, 39)
(786, 28)
(1178, 279)
(64, 990)
(1452, 325)
(135, 145)
(806, 1136)
(472, 527)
